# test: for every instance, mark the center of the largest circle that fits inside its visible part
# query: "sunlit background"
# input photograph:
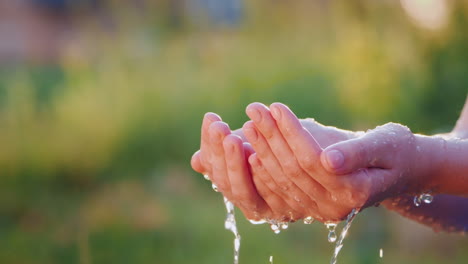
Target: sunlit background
(101, 104)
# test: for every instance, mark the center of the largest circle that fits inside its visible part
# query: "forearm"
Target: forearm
(446, 172)
(441, 165)
(446, 213)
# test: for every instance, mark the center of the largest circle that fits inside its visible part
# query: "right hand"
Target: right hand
(223, 156)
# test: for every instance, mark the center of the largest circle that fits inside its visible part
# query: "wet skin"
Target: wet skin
(292, 176)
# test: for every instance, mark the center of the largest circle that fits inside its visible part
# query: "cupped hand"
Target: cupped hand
(325, 183)
(223, 158)
(223, 154)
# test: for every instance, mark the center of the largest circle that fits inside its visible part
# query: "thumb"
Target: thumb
(196, 163)
(348, 156)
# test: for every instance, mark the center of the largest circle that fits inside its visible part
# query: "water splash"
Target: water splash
(381, 253)
(230, 224)
(344, 232)
(271, 259)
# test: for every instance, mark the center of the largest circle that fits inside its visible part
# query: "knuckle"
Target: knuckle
(284, 185)
(262, 182)
(267, 134)
(291, 168)
(232, 166)
(307, 162)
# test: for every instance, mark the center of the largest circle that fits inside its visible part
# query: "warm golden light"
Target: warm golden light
(430, 14)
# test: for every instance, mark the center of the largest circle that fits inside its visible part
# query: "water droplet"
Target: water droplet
(291, 216)
(332, 236)
(296, 198)
(207, 177)
(417, 201)
(284, 225)
(381, 253)
(427, 198)
(309, 220)
(259, 222)
(275, 228)
(331, 226)
(271, 259)
(331, 232)
(214, 187)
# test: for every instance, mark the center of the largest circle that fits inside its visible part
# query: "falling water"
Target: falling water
(344, 231)
(230, 224)
(276, 226)
(331, 232)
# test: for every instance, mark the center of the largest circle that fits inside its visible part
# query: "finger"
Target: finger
(325, 135)
(280, 210)
(243, 192)
(284, 155)
(275, 179)
(248, 150)
(302, 143)
(368, 151)
(217, 131)
(205, 157)
(196, 163)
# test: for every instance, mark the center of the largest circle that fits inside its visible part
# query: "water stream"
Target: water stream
(344, 232)
(276, 226)
(230, 224)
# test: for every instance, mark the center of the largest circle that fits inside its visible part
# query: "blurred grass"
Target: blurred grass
(95, 149)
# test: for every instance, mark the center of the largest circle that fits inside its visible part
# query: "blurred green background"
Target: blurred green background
(101, 104)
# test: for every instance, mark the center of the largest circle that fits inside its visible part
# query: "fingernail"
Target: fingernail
(215, 136)
(252, 134)
(276, 113)
(229, 147)
(209, 117)
(255, 115)
(335, 159)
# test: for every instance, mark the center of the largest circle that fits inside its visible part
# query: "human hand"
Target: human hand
(213, 159)
(223, 158)
(326, 184)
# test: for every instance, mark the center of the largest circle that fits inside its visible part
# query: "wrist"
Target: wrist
(427, 161)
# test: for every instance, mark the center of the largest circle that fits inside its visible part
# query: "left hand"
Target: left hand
(325, 184)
